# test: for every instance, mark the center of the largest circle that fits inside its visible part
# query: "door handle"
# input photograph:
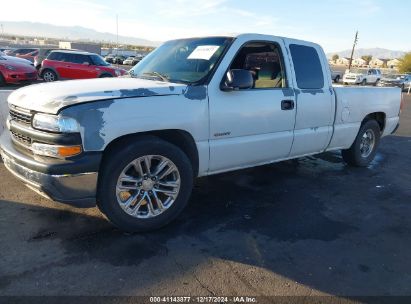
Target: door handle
(287, 105)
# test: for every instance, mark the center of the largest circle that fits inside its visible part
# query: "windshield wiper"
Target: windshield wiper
(159, 75)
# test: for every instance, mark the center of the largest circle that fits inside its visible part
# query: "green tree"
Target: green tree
(367, 58)
(405, 64)
(335, 58)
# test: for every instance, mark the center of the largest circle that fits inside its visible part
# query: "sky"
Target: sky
(381, 23)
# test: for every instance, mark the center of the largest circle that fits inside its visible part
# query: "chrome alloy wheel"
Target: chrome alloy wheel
(48, 76)
(367, 143)
(148, 186)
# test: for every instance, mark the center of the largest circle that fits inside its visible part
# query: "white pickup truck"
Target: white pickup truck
(193, 107)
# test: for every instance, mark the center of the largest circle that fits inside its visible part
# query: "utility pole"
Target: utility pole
(117, 32)
(2, 30)
(353, 48)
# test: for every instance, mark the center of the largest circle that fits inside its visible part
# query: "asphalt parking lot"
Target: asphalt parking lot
(306, 227)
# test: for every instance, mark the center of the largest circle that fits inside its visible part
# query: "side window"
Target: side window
(79, 59)
(307, 66)
(264, 60)
(56, 56)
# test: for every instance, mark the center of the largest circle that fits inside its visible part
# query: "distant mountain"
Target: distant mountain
(375, 52)
(36, 29)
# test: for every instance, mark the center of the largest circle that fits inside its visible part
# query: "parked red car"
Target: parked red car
(12, 72)
(61, 65)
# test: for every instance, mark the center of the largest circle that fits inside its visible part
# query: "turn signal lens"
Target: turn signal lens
(55, 151)
(69, 151)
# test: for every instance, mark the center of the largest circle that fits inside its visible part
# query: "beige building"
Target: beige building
(392, 64)
(343, 61)
(359, 62)
(378, 62)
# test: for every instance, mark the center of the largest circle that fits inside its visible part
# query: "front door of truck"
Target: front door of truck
(252, 126)
(314, 97)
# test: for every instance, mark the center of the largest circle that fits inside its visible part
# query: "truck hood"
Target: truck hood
(52, 97)
(354, 75)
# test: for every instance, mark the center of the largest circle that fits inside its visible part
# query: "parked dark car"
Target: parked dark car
(109, 58)
(119, 59)
(399, 81)
(137, 59)
(61, 65)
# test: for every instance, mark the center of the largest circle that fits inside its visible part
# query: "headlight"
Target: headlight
(55, 151)
(55, 123)
(10, 68)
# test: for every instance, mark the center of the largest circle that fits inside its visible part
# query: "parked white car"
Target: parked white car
(193, 107)
(362, 76)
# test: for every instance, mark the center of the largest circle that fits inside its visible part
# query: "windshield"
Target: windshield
(98, 60)
(187, 61)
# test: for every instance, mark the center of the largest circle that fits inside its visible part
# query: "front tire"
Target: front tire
(145, 183)
(364, 148)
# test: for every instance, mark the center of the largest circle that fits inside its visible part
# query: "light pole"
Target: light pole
(353, 48)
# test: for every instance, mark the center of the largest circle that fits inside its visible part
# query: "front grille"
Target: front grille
(20, 116)
(31, 75)
(20, 138)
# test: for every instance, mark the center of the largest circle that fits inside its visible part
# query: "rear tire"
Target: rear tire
(337, 79)
(149, 209)
(364, 148)
(49, 75)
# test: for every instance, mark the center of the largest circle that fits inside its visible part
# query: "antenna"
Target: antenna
(353, 48)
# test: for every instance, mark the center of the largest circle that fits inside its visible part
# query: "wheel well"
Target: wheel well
(105, 74)
(179, 138)
(378, 117)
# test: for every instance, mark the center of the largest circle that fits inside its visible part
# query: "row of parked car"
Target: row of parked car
(372, 77)
(120, 59)
(22, 66)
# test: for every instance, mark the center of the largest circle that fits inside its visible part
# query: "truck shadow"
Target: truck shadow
(314, 221)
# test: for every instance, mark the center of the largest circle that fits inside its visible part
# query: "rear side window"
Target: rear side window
(307, 66)
(55, 56)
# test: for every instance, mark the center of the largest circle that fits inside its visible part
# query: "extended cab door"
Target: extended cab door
(252, 126)
(314, 98)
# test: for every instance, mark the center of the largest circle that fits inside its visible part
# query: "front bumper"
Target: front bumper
(14, 77)
(53, 180)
